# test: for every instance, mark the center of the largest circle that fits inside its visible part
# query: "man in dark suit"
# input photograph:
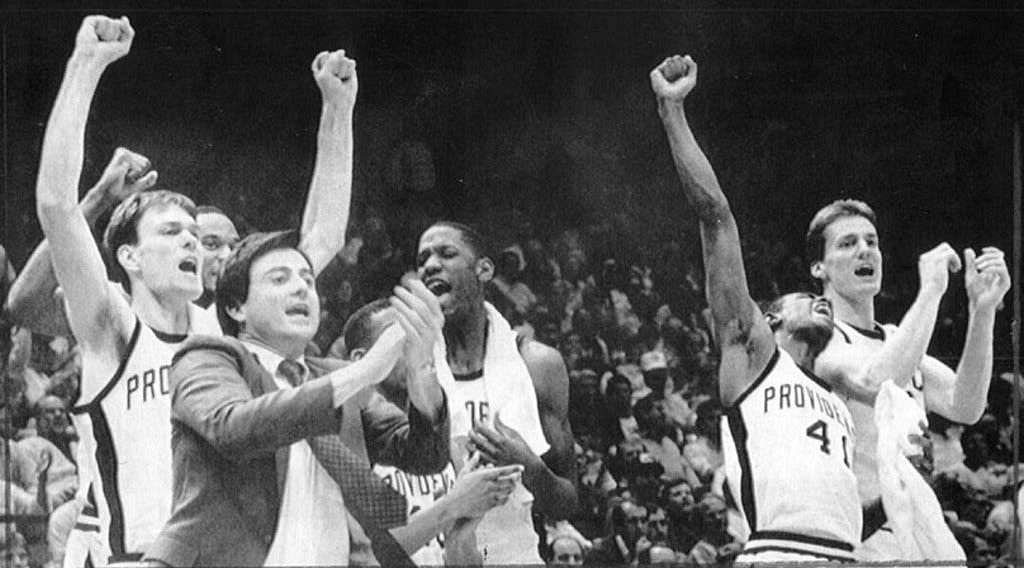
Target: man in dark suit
(263, 470)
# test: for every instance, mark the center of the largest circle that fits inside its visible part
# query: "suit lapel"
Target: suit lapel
(262, 382)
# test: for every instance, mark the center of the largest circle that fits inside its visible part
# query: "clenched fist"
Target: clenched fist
(104, 40)
(935, 265)
(335, 74)
(674, 78)
(127, 173)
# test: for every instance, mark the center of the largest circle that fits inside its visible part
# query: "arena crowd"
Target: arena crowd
(630, 321)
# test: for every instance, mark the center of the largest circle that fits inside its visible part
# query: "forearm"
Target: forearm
(695, 172)
(31, 301)
(424, 525)
(554, 496)
(369, 370)
(425, 393)
(325, 218)
(974, 373)
(902, 353)
(460, 547)
(63, 144)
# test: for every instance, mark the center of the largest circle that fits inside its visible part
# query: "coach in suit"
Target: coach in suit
(259, 474)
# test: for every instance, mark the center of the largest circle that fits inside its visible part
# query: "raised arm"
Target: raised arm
(744, 337)
(33, 302)
(325, 218)
(903, 351)
(962, 396)
(99, 319)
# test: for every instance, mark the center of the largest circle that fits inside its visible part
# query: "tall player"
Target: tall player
(122, 411)
(789, 437)
(507, 397)
(843, 247)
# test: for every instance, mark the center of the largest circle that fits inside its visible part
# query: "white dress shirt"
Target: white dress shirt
(312, 528)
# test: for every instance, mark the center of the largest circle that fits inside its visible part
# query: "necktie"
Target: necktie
(372, 502)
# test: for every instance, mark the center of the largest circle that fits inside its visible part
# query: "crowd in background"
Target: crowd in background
(631, 322)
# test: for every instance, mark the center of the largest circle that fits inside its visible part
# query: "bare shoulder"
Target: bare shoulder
(548, 372)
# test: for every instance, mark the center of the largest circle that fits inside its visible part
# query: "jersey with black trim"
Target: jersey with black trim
(420, 492)
(124, 452)
(788, 442)
(862, 345)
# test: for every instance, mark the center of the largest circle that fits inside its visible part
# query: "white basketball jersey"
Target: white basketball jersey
(863, 345)
(124, 453)
(420, 492)
(505, 535)
(788, 444)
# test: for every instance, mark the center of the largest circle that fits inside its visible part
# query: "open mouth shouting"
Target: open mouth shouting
(437, 286)
(822, 306)
(189, 265)
(864, 271)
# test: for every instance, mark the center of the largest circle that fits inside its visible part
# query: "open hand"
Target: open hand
(986, 277)
(501, 445)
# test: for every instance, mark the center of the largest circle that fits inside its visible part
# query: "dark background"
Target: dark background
(542, 120)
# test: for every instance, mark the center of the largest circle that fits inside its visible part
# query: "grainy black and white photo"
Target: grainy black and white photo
(511, 284)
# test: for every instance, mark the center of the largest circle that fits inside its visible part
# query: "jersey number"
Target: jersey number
(819, 432)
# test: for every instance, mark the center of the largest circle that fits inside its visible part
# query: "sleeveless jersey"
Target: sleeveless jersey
(865, 344)
(788, 443)
(420, 492)
(124, 453)
(505, 535)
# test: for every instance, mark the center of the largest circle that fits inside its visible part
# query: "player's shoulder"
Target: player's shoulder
(540, 356)
(200, 346)
(546, 367)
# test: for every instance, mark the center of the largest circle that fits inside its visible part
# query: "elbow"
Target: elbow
(712, 210)
(53, 209)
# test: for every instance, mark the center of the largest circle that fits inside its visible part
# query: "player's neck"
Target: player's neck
(858, 312)
(167, 315)
(799, 351)
(466, 340)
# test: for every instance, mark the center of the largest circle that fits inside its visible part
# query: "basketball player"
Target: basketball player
(507, 397)
(843, 247)
(33, 301)
(789, 438)
(435, 501)
(122, 409)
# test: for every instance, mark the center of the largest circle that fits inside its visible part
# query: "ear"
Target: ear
(484, 269)
(772, 319)
(357, 354)
(818, 270)
(236, 313)
(127, 258)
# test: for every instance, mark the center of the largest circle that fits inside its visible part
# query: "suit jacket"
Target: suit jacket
(231, 431)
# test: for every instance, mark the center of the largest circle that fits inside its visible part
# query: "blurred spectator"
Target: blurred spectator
(54, 425)
(566, 551)
(625, 534)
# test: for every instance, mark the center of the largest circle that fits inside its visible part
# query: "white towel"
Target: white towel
(910, 504)
(507, 382)
(505, 536)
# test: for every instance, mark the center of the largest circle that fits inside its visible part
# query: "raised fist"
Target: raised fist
(335, 74)
(127, 173)
(986, 277)
(674, 78)
(104, 39)
(935, 265)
